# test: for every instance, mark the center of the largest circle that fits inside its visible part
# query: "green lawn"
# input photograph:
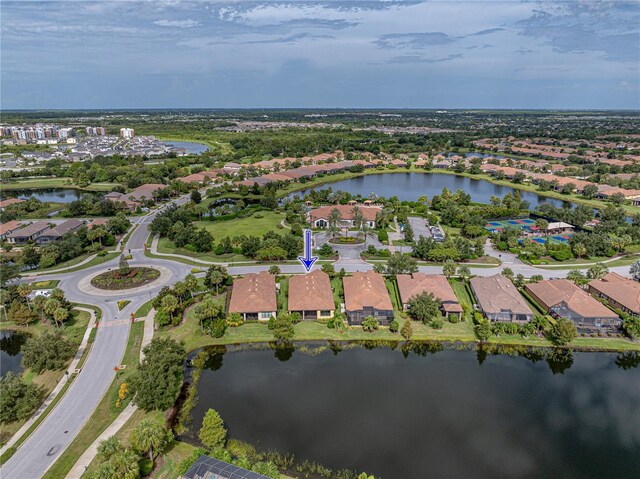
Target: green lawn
(105, 413)
(338, 293)
(53, 283)
(144, 309)
(36, 183)
(256, 225)
(571, 264)
(283, 295)
(461, 291)
(166, 246)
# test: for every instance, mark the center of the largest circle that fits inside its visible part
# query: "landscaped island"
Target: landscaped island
(125, 277)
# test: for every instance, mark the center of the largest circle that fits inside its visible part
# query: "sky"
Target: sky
(577, 54)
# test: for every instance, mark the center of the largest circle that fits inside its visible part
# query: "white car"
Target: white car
(42, 292)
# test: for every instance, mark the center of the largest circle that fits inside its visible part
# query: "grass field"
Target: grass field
(587, 263)
(256, 225)
(106, 411)
(166, 246)
(37, 183)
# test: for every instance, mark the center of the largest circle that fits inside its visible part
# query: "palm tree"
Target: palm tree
(449, 268)
(206, 309)
(149, 437)
(334, 222)
(170, 304)
(216, 277)
(365, 231)
(358, 217)
(576, 276)
(60, 315)
(50, 307)
(180, 289)
(191, 282)
(597, 271)
(579, 250)
(464, 272)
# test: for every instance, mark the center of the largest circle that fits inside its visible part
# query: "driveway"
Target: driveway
(348, 251)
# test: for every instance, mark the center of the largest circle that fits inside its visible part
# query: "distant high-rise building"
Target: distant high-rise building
(126, 132)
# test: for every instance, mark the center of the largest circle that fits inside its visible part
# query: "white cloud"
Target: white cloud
(177, 23)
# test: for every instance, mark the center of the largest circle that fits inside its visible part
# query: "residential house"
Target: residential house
(563, 299)
(499, 300)
(97, 222)
(28, 233)
(319, 217)
(206, 467)
(621, 293)
(9, 201)
(410, 285)
(365, 294)
(254, 296)
(311, 295)
(57, 232)
(8, 228)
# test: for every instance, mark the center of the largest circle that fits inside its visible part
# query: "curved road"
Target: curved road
(61, 426)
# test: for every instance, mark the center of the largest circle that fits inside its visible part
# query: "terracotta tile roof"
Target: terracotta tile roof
(254, 293)
(30, 230)
(622, 290)
(366, 289)
(346, 212)
(10, 201)
(97, 222)
(497, 293)
(144, 191)
(553, 292)
(311, 292)
(9, 226)
(411, 285)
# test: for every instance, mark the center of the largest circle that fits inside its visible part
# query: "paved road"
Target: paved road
(62, 425)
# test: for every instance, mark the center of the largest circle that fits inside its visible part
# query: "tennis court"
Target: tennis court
(527, 224)
(553, 239)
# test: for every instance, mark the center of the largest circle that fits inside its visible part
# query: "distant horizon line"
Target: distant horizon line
(314, 109)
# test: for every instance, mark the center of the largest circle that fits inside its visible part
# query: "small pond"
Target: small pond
(190, 146)
(11, 343)
(430, 413)
(51, 195)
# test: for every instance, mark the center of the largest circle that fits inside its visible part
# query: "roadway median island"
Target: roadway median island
(133, 278)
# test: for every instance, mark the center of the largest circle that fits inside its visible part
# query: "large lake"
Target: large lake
(10, 356)
(409, 186)
(442, 415)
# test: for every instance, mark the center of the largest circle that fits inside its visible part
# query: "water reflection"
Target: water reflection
(424, 410)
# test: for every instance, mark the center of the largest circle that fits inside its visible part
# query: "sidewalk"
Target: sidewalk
(82, 464)
(68, 374)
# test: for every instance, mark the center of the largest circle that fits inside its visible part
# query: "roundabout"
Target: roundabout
(110, 282)
(133, 278)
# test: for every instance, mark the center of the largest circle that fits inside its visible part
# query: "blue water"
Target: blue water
(191, 147)
(410, 186)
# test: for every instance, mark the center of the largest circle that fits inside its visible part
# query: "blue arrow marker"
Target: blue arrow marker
(306, 260)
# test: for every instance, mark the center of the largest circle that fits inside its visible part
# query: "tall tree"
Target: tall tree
(449, 268)
(150, 437)
(213, 433)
